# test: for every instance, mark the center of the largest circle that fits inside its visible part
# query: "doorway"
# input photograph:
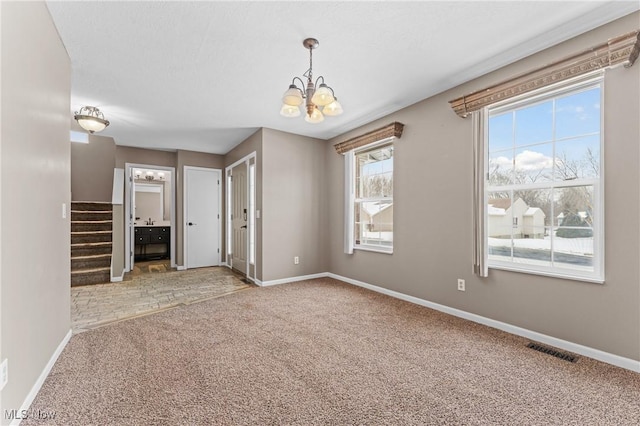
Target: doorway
(202, 231)
(149, 214)
(241, 216)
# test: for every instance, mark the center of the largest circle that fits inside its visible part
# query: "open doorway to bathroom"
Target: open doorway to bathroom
(150, 217)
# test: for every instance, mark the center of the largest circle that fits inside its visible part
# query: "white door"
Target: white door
(239, 217)
(202, 217)
(132, 214)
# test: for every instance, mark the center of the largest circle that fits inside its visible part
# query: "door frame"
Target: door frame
(229, 202)
(184, 212)
(128, 216)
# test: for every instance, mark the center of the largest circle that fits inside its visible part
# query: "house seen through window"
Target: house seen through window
(543, 188)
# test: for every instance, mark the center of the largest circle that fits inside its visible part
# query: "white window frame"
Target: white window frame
(562, 89)
(350, 199)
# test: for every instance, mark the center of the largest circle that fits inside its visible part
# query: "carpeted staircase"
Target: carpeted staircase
(91, 228)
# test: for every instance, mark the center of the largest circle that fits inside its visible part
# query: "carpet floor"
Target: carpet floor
(323, 352)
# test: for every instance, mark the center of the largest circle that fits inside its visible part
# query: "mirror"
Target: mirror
(149, 203)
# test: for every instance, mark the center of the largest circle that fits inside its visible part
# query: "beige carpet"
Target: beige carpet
(323, 352)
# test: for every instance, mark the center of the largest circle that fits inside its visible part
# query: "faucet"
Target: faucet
(150, 222)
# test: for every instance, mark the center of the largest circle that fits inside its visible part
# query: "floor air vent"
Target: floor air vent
(550, 351)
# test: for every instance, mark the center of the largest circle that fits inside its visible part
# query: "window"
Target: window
(373, 198)
(252, 213)
(543, 187)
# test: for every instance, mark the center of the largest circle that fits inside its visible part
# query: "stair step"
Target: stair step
(90, 256)
(90, 249)
(84, 263)
(98, 225)
(82, 237)
(88, 215)
(91, 276)
(91, 206)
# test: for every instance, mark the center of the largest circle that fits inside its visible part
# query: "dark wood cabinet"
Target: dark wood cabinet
(148, 239)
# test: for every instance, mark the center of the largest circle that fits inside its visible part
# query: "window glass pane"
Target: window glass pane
(374, 223)
(531, 211)
(573, 241)
(573, 206)
(578, 158)
(500, 168)
(534, 164)
(374, 174)
(578, 114)
(534, 124)
(499, 225)
(501, 132)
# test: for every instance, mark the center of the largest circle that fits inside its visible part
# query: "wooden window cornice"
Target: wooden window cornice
(622, 50)
(392, 130)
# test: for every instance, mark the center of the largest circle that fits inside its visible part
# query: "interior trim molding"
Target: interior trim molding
(43, 376)
(596, 354)
(390, 130)
(291, 279)
(621, 50)
(115, 279)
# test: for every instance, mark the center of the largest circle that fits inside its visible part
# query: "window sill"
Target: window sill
(561, 275)
(375, 249)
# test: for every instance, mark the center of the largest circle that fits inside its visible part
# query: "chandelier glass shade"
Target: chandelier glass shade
(318, 98)
(91, 119)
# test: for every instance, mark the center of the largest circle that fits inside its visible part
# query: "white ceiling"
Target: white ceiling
(203, 76)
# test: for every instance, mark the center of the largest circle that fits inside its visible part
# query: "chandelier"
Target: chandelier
(316, 96)
(91, 119)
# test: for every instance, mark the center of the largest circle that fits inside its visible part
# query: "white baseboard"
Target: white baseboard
(43, 376)
(181, 267)
(597, 354)
(117, 279)
(291, 279)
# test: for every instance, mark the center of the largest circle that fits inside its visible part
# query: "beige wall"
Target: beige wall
(294, 205)
(35, 288)
(433, 242)
(252, 144)
(92, 169)
(152, 157)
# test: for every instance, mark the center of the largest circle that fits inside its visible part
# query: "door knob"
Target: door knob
(190, 223)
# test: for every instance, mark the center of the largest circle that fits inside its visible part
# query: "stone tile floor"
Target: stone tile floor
(143, 292)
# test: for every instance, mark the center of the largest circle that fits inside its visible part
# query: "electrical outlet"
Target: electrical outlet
(4, 373)
(460, 284)
(296, 260)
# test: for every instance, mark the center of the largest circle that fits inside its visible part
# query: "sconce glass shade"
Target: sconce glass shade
(138, 173)
(161, 175)
(91, 119)
(322, 96)
(290, 111)
(315, 117)
(333, 109)
(293, 96)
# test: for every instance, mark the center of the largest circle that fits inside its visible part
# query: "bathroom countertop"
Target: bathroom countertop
(158, 223)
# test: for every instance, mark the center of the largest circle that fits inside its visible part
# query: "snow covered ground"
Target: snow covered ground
(578, 246)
